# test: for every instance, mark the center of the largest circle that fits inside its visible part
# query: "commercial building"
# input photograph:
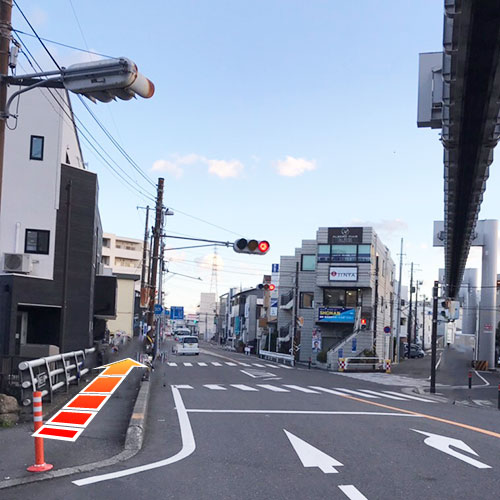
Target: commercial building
(336, 296)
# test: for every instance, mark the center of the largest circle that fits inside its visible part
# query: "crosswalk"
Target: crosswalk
(226, 363)
(313, 389)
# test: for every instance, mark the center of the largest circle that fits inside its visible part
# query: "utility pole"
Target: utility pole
(159, 323)
(423, 323)
(154, 263)
(295, 308)
(434, 335)
(375, 307)
(415, 329)
(409, 313)
(398, 314)
(5, 38)
(144, 295)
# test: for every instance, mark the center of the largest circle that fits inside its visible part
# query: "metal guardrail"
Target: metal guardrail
(52, 373)
(278, 356)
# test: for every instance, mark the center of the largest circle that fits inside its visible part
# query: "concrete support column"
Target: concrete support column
(487, 315)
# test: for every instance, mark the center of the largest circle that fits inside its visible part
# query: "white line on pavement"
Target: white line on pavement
(272, 366)
(308, 412)
(329, 391)
(380, 394)
(273, 388)
(188, 364)
(356, 393)
(351, 492)
(188, 447)
(249, 374)
(301, 389)
(257, 364)
(243, 364)
(416, 398)
(486, 383)
(215, 387)
(243, 387)
(172, 364)
(202, 364)
(183, 386)
(216, 363)
(228, 363)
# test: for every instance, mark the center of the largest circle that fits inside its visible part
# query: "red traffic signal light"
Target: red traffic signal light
(252, 247)
(363, 322)
(266, 286)
(272, 287)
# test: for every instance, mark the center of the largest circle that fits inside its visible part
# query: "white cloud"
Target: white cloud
(292, 167)
(189, 159)
(38, 17)
(207, 261)
(387, 227)
(167, 166)
(225, 169)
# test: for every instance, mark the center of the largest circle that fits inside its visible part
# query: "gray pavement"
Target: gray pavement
(239, 449)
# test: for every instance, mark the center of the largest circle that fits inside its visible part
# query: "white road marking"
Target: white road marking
(216, 363)
(287, 367)
(249, 374)
(228, 363)
(188, 447)
(351, 492)
(308, 412)
(183, 386)
(486, 383)
(272, 366)
(215, 387)
(257, 364)
(188, 364)
(381, 394)
(443, 443)
(172, 364)
(329, 391)
(243, 387)
(301, 389)
(311, 456)
(202, 364)
(416, 398)
(243, 364)
(356, 393)
(273, 388)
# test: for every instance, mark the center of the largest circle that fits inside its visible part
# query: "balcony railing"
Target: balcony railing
(286, 298)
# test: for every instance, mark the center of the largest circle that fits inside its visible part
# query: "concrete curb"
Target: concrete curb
(133, 443)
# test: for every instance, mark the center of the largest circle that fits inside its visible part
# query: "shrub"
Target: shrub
(321, 356)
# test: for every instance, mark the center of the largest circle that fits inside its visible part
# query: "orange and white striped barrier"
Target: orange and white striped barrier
(342, 364)
(387, 366)
(39, 465)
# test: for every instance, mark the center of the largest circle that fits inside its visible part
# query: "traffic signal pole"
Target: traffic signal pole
(434, 335)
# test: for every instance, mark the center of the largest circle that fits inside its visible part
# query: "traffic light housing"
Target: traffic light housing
(266, 286)
(363, 324)
(252, 247)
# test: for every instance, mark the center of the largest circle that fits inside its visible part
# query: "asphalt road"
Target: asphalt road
(220, 429)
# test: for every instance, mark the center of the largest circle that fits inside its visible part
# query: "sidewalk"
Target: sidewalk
(102, 439)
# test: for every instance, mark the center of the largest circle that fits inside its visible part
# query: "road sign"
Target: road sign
(158, 308)
(275, 268)
(354, 345)
(341, 352)
(177, 312)
(387, 329)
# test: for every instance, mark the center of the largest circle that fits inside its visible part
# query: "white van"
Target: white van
(181, 332)
(187, 344)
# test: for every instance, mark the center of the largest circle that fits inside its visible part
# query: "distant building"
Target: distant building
(207, 325)
(345, 295)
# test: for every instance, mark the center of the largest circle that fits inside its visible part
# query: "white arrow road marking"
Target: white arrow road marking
(311, 456)
(352, 492)
(188, 447)
(443, 443)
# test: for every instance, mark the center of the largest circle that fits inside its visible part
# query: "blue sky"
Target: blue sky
(270, 119)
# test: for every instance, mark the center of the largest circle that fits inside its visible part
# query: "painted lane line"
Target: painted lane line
(188, 447)
(287, 367)
(310, 456)
(188, 364)
(258, 365)
(273, 388)
(356, 393)
(416, 398)
(202, 364)
(228, 363)
(172, 364)
(243, 364)
(216, 363)
(272, 366)
(329, 391)
(306, 412)
(381, 394)
(215, 387)
(183, 386)
(243, 387)
(351, 492)
(301, 389)
(249, 374)
(486, 383)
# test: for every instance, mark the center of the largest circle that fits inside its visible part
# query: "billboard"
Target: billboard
(345, 235)
(338, 273)
(336, 314)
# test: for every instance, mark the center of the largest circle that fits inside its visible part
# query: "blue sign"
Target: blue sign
(341, 352)
(176, 312)
(387, 329)
(166, 313)
(158, 309)
(354, 345)
(275, 268)
(336, 314)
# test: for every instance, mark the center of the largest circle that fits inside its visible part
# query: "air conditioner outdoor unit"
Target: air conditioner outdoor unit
(16, 262)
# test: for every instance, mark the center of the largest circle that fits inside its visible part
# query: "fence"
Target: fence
(362, 363)
(277, 356)
(52, 373)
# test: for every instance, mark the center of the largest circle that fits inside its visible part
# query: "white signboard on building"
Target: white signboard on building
(343, 274)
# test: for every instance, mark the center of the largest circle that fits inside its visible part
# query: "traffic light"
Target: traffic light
(266, 286)
(252, 247)
(363, 324)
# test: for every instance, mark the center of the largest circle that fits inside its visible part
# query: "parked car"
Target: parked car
(187, 344)
(415, 351)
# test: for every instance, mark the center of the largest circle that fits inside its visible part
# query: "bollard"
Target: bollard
(309, 362)
(40, 465)
(387, 366)
(470, 380)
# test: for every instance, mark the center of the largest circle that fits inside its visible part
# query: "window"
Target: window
(306, 300)
(351, 298)
(340, 297)
(105, 260)
(106, 242)
(37, 241)
(36, 147)
(344, 253)
(324, 253)
(364, 253)
(308, 263)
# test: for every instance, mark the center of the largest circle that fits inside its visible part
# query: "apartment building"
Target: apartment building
(123, 255)
(339, 287)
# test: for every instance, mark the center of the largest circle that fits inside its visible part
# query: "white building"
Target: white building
(206, 315)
